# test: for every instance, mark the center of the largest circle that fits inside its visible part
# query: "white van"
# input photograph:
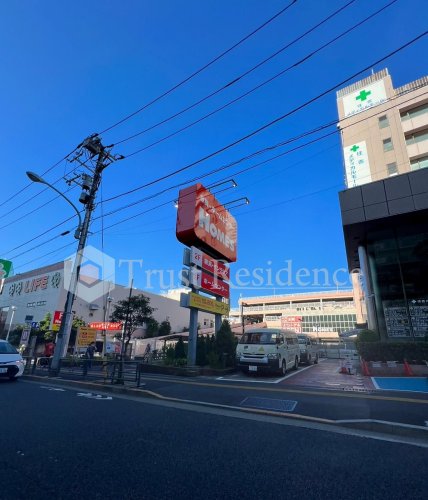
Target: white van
(309, 349)
(268, 349)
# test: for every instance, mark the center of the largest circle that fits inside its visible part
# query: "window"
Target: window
(383, 121)
(417, 137)
(419, 163)
(387, 144)
(412, 113)
(392, 168)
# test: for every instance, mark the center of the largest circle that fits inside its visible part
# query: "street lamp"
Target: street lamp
(66, 323)
(13, 309)
(37, 178)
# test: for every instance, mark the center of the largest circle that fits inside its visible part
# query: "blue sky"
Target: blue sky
(73, 68)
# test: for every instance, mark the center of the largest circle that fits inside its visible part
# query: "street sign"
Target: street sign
(85, 336)
(292, 323)
(25, 336)
(56, 320)
(204, 303)
(35, 324)
(207, 263)
(215, 286)
(106, 325)
(5, 268)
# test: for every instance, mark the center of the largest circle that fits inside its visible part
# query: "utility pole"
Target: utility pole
(93, 146)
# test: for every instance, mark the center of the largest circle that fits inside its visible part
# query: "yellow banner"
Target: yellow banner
(208, 305)
(85, 336)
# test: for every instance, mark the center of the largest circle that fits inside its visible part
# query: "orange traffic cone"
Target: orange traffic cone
(407, 370)
(364, 365)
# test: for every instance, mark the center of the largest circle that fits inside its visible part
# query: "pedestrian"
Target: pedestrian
(90, 352)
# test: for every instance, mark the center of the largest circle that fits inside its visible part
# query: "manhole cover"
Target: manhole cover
(269, 404)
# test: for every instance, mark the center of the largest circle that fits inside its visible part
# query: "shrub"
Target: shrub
(214, 360)
(225, 344)
(170, 356)
(393, 351)
(180, 351)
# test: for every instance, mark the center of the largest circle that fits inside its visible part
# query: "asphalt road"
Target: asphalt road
(57, 444)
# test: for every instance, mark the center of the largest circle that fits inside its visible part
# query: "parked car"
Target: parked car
(309, 351)
(268, 350)
(11, 362)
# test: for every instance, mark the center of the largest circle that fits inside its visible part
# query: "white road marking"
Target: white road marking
(89, 395)
(52, 388)
(275, 381)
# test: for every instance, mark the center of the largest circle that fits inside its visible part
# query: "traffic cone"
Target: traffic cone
(365, 368)
(407, 370)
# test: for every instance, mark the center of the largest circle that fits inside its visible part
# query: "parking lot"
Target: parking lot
(326, 375)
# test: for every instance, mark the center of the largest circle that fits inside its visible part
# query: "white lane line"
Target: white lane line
(52, 388)
(275, 381)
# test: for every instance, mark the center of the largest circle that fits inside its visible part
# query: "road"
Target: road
(59, 444)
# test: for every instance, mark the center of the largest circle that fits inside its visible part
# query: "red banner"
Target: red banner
(105, 325)
(208, 283)
(292, 323)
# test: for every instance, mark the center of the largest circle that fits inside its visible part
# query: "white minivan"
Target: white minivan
(268, 350)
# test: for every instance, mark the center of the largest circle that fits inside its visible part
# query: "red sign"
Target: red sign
(209, 264)
(292, 323)
(208, 283)
(57, 318)
(106, 325)
(203, 222)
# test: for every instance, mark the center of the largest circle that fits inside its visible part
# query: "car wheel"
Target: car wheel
(283, 368)
(296, 363)
(13, 379)
(316, 360)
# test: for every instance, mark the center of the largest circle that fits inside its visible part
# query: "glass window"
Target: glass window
(392, 168)
(6, 348)
(383, 121)
(412, 113)
(417, 137)
(419, 163)
(387, 144)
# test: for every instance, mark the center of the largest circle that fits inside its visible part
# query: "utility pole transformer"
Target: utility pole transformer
(94, 147)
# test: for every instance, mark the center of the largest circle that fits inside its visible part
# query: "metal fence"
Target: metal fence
(107, 371)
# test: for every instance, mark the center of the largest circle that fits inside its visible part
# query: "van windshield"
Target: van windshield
(260, 338)
(301, 339)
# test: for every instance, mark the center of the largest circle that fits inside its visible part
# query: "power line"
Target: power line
(267, 125)
(240, 160)
(30, 184)
(249, 71)
(204, 67)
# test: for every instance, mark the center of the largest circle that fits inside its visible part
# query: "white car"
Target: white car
(11, 362)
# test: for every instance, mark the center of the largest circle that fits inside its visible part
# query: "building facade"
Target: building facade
(385, 208)
(28, 297)
(320, 314)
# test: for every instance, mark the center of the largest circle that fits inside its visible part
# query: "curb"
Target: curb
(371, 425)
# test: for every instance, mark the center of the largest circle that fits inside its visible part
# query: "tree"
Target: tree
(133, 313)
(152, 328)
(165, 328)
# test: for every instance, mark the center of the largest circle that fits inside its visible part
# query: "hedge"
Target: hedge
(393, 351)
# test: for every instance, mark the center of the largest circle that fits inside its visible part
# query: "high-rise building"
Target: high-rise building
(384, 130)
(385, 208)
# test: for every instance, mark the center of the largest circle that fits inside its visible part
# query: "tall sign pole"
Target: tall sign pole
(204, 225)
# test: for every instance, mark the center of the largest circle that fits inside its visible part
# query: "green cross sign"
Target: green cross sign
(5, 268)
(363, 95)
(354, 148)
